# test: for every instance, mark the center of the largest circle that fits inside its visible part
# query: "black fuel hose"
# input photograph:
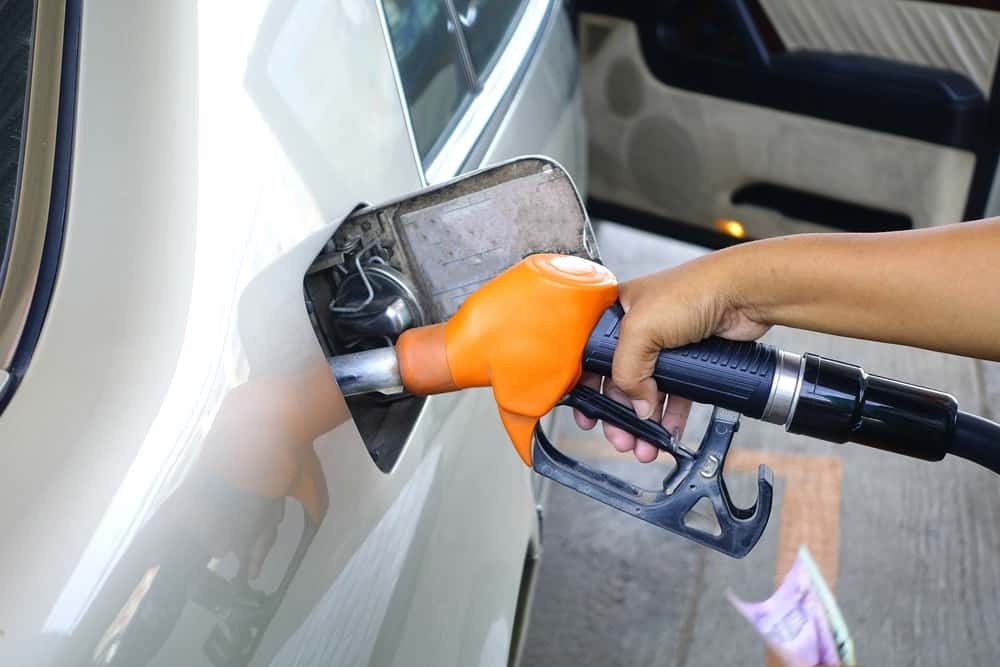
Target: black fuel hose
(976, 439)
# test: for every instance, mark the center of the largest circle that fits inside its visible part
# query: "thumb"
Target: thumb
(632, 366)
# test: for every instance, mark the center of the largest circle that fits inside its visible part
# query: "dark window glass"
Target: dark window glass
(429, 67)
(487, 25)
(15, 53)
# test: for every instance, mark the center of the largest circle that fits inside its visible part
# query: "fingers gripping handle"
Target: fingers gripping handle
(732, 375)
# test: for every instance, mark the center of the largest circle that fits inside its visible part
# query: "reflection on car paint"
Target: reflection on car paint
(231, 504)
(257, 451)
(356, 603)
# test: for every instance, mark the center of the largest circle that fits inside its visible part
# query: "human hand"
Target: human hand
(670, 309)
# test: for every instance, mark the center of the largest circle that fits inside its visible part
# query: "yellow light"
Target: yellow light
(732, 228)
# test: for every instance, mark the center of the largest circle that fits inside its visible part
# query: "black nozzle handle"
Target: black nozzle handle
(733, 375)
(810, 395)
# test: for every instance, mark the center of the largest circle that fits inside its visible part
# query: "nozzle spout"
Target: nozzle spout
(368, 371)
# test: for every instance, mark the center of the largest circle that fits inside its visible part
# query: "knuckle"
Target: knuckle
(624, 379)
(634, 339)
(631, 326)
(624, 374)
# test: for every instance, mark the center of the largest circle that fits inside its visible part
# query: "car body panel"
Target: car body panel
(546, 112)
(178, 407)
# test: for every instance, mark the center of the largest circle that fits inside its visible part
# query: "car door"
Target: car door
(763, 117)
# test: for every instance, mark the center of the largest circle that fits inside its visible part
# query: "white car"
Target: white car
(183, 483)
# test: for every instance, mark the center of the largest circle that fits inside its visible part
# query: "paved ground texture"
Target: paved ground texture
(912, 549)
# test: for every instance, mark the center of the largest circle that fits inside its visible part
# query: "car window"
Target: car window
(487, 24)
(430, 69)
(15, 52)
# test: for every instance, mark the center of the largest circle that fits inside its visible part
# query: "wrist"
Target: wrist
(753, 280)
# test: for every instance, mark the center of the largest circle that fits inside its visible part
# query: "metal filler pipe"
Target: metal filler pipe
(368, 371)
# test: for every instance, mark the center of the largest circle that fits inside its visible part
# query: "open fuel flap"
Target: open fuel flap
(414, 260)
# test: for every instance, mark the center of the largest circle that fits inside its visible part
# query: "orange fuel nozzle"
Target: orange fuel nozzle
(522, 333)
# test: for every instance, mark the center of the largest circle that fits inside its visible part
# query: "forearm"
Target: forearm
(937, 289)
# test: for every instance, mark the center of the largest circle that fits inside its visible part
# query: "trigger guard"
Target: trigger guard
(698, 475)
